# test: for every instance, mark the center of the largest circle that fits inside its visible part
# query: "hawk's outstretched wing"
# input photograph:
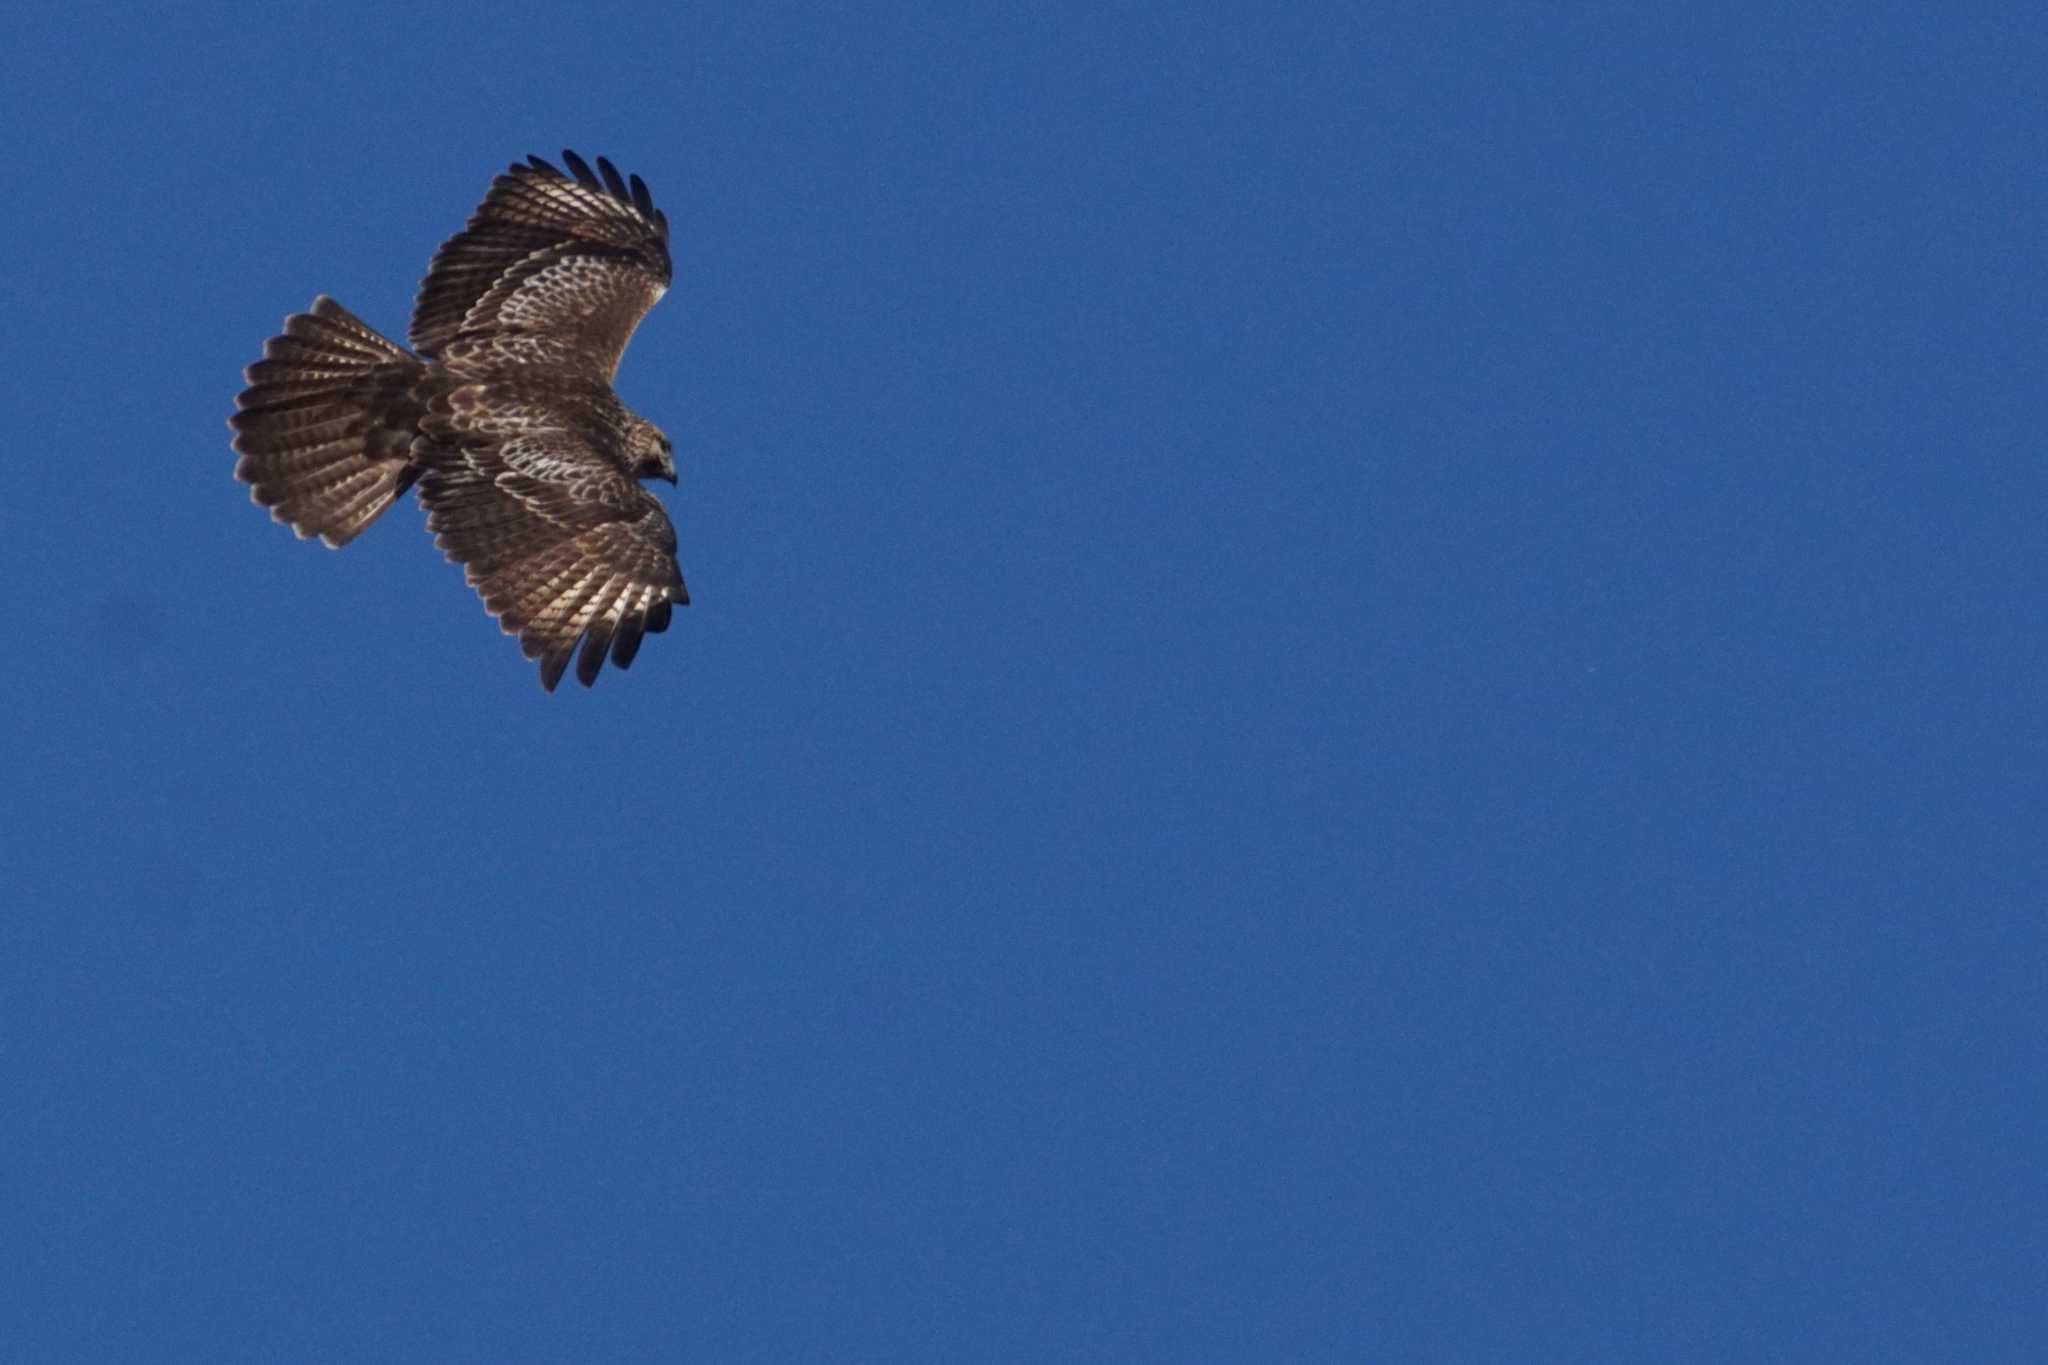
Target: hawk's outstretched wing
(576, 258)
(562, 545)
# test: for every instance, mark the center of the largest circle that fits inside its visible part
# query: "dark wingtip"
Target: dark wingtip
(606, 179)
(592, 658)
(552, 668)
(580, 169)
(627, 642)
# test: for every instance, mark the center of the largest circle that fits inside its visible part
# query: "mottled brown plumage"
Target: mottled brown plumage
(505, 418)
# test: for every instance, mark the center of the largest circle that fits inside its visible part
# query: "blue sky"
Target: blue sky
(1365, 684)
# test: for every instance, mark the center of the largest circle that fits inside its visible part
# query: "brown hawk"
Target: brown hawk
(503, 414)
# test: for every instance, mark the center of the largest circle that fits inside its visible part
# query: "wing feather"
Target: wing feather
(576, 259)
(566, 550)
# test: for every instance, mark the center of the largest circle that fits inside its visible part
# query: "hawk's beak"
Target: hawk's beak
(671, 477)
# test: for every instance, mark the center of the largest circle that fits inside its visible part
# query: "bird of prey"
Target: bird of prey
(502, 413)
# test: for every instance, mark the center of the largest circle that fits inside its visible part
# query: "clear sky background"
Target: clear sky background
(1365, 684)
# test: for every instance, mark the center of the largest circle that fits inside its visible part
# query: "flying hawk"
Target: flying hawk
(503, 414)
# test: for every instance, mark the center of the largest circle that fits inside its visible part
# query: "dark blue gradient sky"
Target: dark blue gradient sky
(1366, 684)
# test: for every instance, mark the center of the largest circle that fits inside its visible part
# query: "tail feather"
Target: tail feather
(325, 427)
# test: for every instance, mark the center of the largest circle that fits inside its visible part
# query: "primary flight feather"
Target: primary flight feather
(502, 414)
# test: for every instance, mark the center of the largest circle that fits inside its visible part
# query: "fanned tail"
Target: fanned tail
(325, 427)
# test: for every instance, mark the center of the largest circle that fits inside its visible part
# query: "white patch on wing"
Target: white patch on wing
(573, 287)
(546, 459)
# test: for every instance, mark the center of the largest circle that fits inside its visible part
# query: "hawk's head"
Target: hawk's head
(648, 453)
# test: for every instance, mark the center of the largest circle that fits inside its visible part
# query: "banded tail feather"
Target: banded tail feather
(326, 426)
